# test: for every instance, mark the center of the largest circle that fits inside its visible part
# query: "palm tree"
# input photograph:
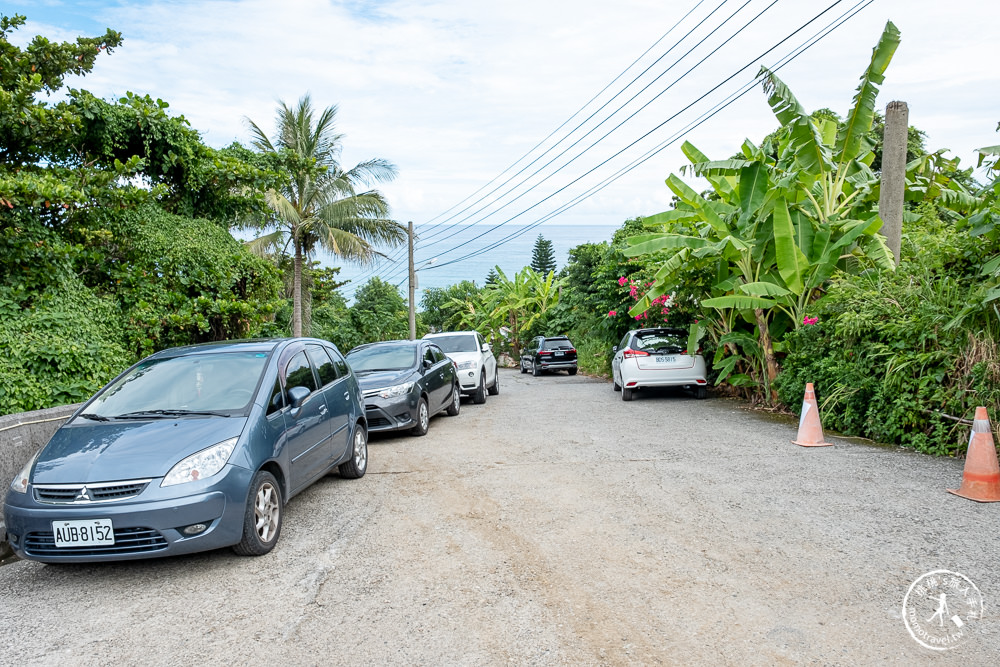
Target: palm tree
(320, 204)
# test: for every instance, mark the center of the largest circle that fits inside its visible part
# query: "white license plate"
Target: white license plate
(559, 354)
(665, 360)
(88, 533)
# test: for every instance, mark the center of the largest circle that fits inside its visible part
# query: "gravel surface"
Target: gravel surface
(555, 524)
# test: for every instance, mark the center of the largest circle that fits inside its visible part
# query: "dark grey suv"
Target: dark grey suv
(552, 353)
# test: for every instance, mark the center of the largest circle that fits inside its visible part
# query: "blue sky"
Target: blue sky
(454, 91)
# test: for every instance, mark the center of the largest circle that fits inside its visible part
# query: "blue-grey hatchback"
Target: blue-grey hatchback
(193, 448)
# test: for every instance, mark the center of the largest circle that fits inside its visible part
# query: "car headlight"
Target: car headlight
(20, 483)
(395, 390)
(202, 465)
(467, 364)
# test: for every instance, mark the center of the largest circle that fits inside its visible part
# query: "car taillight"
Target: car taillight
(572, 349)
(543, 352)
(629, 353)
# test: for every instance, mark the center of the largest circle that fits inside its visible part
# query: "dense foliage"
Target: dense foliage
(113, 230)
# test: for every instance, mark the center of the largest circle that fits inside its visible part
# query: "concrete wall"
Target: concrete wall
(20, 437)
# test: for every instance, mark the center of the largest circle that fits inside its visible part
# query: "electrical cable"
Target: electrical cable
(397, 255)
(579, 199)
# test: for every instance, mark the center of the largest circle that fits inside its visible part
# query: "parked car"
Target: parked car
(477, 367)
(405, 383)
(192, 448)
(657, 358)
(553, 353)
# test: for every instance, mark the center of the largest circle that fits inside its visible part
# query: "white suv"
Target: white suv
(477, 367)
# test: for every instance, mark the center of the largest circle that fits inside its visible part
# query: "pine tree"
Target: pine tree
(492, 277)
(543, 257)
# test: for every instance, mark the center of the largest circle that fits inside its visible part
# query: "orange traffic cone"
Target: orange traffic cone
(981, 478)
(810, 430)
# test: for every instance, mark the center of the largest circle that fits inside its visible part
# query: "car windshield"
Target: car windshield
(382, 358)
(221, 382)
(662, 343)
(456, 343)
(557, 344)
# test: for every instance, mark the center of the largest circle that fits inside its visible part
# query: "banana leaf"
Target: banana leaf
(859, 119)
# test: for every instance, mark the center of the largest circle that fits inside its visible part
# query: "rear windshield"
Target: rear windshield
(223, 381)
(382, 358)
(662, 343)
(557, 344)
(456, 343)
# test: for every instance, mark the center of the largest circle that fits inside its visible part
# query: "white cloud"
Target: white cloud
(454, 91)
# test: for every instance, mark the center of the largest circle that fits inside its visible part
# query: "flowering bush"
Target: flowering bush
(661, 303)
(809, 321)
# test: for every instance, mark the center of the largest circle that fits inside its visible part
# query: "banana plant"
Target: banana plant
(780, 221)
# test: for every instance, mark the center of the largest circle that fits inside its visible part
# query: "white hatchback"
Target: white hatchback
(477, 367)
(657, 358)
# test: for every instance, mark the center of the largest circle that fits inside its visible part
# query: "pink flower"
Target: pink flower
(638, 317)
(612, 313)
(622, 281)
(809, 321)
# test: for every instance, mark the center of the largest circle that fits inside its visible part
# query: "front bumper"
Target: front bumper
(146, 526)
(468, 380)
(391, 414)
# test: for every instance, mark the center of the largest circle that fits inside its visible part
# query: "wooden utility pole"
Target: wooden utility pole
(890, 202)
(413, 284)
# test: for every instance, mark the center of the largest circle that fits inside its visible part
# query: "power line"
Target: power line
(619, 125)
(593, 190)
(397, 255)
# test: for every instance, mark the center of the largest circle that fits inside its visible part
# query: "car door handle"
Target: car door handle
(347, 396)
(322, 409)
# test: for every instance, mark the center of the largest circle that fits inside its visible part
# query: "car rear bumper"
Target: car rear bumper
(556, 365)
(678, 381)
(142, 529)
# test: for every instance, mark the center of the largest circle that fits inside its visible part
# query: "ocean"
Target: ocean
(442, 246)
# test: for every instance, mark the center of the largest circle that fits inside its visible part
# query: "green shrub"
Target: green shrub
(58, 350)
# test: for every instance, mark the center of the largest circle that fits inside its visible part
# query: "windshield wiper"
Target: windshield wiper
(145, 414)
(96, 418)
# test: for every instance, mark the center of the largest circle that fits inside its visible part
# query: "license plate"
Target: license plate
(88, 533)
(666, 360)
(559, 354)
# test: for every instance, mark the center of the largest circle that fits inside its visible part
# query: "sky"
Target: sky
(454, 92)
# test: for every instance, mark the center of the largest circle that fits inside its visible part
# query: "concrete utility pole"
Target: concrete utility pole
(890, 202)
(413, 284)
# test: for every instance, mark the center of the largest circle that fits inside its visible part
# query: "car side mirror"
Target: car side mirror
(486, 347)
(428, 363)
(297, 396)
(614, 349)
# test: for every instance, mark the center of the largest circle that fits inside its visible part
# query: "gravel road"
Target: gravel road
(554, 525)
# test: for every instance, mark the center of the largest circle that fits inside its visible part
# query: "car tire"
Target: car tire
(572, 371)
(701, 393)
(534, 369)
(262, 516)
(456, 402)
(423, 418)
(495, 389)
(355, 467)
(523, 369)
(627, 394)
(615, 385)
(480, 396)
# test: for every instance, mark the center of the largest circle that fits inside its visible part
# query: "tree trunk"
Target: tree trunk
(297, 292)
(768, 349)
